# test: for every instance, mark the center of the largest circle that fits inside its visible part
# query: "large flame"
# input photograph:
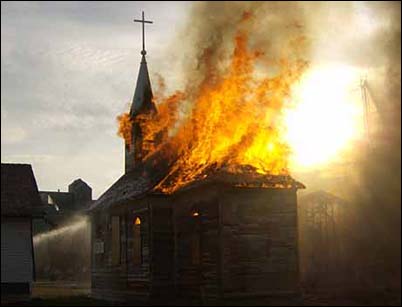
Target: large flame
(236, 117)
(124, 131)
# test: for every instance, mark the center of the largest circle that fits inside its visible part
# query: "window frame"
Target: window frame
(196, 252)
(115, 240)
(137, 256)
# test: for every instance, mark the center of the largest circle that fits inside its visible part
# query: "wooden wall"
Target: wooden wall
(210, 242)
(153, 275)
(117, 281)
(248, 242)
(16, 250)
(194, 277)
(162, 264)
(259, 242)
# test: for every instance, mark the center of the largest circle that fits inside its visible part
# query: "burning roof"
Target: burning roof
(151, 177)
(226, 127)
(231, 118)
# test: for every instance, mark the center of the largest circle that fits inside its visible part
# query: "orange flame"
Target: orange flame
(236, 118)
(125, 124)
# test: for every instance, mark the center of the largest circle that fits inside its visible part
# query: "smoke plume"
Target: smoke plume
(363, 35)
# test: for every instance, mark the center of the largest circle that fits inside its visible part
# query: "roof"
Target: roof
(64, 200)
(19, 191)
(143, 97)
(248, 180)
(129, 186)
(135, 183)
(79, 182)
(143, 179)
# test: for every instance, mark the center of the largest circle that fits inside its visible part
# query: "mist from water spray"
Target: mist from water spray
(79, 223)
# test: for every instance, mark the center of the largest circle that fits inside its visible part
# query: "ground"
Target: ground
(72, 294)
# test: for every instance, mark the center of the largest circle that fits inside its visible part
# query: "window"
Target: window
(137, 141)
(195, 239)
(137, 242)
(100, 229)
(115, 240)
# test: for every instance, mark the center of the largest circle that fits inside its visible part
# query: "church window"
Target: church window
(137, 241)
(196, 239)
(115, 240)
(137, 140)
(137, 221)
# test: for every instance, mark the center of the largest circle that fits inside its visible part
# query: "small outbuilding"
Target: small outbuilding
(19, 204)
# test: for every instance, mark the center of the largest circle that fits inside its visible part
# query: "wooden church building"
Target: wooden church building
(223, 237)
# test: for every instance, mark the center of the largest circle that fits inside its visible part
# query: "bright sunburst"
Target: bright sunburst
(327, 116)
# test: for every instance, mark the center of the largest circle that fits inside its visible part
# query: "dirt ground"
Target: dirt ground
(71, 294)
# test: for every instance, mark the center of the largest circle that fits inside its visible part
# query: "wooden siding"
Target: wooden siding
(246, 240)
(259, 229)
(192, 279)
(138, 275)
(16, 250)
(162, 263)
(127, 278)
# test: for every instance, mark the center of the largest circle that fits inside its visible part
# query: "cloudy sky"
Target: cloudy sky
(67, 70)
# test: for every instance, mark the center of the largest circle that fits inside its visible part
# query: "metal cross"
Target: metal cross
(143, 21)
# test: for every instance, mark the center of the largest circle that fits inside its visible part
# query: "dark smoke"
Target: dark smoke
(207, 40)
(378, 196)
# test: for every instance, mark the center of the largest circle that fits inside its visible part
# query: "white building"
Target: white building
(19, 203)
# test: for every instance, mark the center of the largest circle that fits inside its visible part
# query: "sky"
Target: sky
(67, 70)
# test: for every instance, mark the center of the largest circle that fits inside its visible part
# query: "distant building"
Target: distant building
(58, 233)
(59, 207)
(78, 197)
(20, 202)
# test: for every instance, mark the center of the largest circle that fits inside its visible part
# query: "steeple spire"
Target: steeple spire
(142, 100)
(142, 103)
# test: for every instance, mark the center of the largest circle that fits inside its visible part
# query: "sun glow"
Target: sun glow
(327, 116)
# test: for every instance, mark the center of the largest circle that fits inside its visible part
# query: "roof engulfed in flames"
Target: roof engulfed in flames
(236, 119)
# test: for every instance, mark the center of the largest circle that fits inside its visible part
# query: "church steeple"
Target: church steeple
(142, 104)
(142, 99)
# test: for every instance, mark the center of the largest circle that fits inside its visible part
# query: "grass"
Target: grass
(52, 294)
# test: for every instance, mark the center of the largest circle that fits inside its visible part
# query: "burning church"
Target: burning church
(172, 227)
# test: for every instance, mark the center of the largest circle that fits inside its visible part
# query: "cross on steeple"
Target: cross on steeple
(143, 21)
